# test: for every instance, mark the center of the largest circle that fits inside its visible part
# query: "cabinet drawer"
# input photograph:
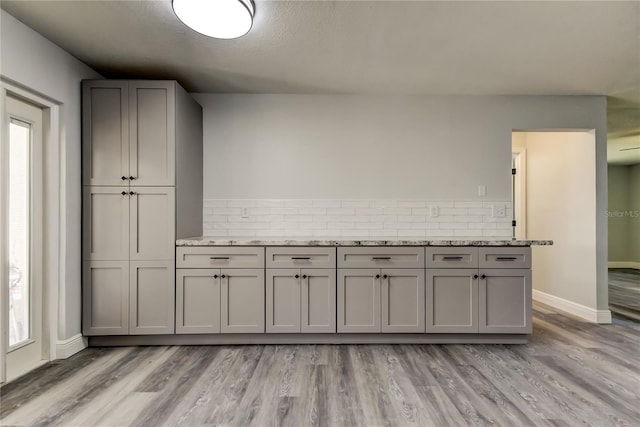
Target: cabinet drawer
(219, 257)
(452, 257)
(297, 257)
(381, 257)
(501, 257)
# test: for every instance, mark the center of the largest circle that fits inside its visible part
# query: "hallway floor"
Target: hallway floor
(624, 292)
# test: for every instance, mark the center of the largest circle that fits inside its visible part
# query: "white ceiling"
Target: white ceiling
(359, 46)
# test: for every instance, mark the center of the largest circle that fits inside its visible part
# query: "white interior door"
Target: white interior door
(21, 229)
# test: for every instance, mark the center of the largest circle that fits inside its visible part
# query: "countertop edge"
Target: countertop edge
(212, 241)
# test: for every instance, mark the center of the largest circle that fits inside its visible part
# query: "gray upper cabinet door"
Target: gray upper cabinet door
(105, 132)
(152, 297)
(358, 300)
(283, 300)
(152, 223)
(152, 133)
(318, 300)
(505, 301)
(105, 223)
(242, 300)
(105, 298)
(197, 301)
(452, 300)
(403, 300)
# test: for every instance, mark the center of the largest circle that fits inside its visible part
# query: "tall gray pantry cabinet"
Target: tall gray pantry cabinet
(142, 189)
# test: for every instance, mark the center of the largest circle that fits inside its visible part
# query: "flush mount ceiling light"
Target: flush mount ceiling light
(222, 19)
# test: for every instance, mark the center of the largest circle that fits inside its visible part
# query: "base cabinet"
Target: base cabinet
(128, 298)
(375, 300)
(300, 300)
(197, 301)
(452, 300)
(242, 300)
(151, 298)
(468, 300)
(505, 301)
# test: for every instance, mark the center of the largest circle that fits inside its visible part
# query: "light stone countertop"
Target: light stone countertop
(347, 241)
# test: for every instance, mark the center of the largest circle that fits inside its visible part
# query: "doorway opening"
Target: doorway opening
(555, 198)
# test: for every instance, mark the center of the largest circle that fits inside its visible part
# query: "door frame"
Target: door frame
(54, 224)
(520, 191)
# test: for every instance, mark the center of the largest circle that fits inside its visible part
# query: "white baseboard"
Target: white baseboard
(624, 264)
(69, 347)
(584, 312)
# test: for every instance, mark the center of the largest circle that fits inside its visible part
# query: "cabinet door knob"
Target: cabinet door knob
(223, 276)
(297, 276)
(475, 276)
(385, 276)
(377, 276)
(131, 193)
(132, 177)
(483, 276)
(215, 276)
(304, 276)
(124, 193)
(124, 178)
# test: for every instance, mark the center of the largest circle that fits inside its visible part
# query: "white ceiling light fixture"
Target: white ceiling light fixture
(222, 19)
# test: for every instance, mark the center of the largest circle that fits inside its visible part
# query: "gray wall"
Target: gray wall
(29, 60)
(428, 147)
(619, 232)
(634, 207)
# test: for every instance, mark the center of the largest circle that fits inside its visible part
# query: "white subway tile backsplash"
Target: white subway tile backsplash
(355, 203)
(412, 204)
(299, 203)
(383, 218)
(327, 203)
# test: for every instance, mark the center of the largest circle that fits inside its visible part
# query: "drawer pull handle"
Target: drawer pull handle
(219, 257)
(301, 257)
(452, 258)
(506, 258)
(381, 258)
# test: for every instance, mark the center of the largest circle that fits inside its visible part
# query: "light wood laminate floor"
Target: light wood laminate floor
(624, 292)
(572, 373)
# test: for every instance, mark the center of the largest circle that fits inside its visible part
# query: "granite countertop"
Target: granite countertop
(347, 241)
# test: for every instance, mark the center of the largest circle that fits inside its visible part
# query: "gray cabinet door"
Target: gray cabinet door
(283, 300)
(358, 300)
(152, 132)
(105, 132)
(151, 297)
(152, 223)
(505, 301)
(452, 301)
(403, 300)
(242, 301)
(105, 298)
(318, 300)
(105, 224)
(197, 301)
